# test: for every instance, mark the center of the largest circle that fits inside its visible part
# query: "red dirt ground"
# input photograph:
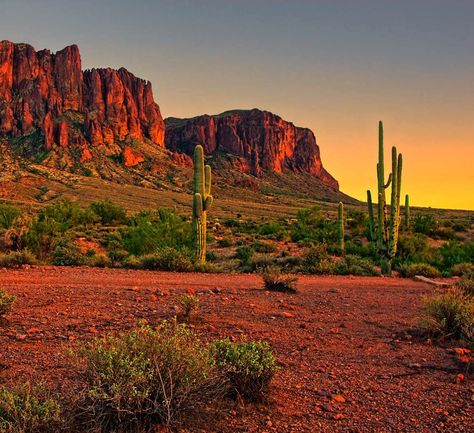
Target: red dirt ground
(349, 359)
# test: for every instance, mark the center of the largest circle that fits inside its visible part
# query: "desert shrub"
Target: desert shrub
(17, 258)
(69, 214)
(249, 366)
(466, 284)
(290, 263)
(450, 314)
(131, 262)
(117, 254)
(272, 229)
(155, 230)
(99, 261)
(260, 264)
(167, 259)
(462, 269)
(452, 253)
(355, 265)
(41, 236)
(67, 254)
(424, 224)
(264, 247)
(8, 215)
(245, 255)
(356, 221)
(6, 303)
(318, 261)
(28, 409)
(423, 269)
(446, 233)
(312, 227)
(412, 248)
(145, 376)
(275, 281)
(188, 304)
(225, 242)
(109, 213)
(357, 248)
(230, 222)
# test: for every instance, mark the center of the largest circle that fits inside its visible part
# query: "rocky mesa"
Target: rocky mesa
(38, 88)
(104, 120)
(264, 140)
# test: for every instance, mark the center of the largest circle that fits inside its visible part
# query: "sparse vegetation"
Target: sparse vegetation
(275, 281)
(188, 305)
(450, 315)
(28, 409)
(6, 303)
(248, 365)
(146, 376)
(423, 269)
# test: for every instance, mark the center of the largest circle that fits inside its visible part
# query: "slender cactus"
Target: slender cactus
(407, 212)
(202, 202)
(340, 228)
(388, 216)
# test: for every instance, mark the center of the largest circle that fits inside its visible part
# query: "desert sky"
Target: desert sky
(335, 66)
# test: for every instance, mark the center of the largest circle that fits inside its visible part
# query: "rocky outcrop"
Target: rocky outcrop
(50, 93)
(263, 140)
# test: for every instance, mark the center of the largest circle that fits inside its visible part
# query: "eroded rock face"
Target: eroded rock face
(264, 140)
(50, 93)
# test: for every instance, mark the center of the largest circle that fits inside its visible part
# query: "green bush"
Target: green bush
(8, 215)
(413, 248)
(272, 229)
(318, 261)
(41, 236)
(423, 269)
(225, 242)
(452, 253)
(249, 367)
(150, 231)
(424, 224)
(69, 214)
(17, 258)
(108, 212)
(450, 314)
(466, 284)
(146, 376)
(462, 269)
(264, 247)
(355, 265)
(245, 255)
(188, 304)
(6, 303)
(312, 227)
(167, 259)
(275, 281)
(28, 409)
(67, 254)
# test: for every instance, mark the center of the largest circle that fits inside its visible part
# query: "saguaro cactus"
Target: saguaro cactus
(388, 223)
(202, 202)
(340, 227)
(407, 212)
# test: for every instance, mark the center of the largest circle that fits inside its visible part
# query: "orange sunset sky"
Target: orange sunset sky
(336, 67)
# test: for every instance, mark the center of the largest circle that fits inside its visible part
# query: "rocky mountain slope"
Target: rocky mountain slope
(264, 141)
(57, 120)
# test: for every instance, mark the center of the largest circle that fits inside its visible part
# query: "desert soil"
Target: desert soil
(350, 359)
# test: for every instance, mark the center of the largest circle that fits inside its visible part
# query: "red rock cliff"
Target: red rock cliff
(37, 88)
(263, 139)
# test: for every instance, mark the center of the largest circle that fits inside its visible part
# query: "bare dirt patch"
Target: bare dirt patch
(348, 361)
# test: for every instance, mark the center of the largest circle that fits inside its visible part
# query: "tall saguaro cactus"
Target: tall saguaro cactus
(340, 228)
(371, 217)
(388, 223)
(202, 202)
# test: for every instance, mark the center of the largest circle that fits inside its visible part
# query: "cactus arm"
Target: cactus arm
(208, 178)
(208, 202)
(389, 181)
